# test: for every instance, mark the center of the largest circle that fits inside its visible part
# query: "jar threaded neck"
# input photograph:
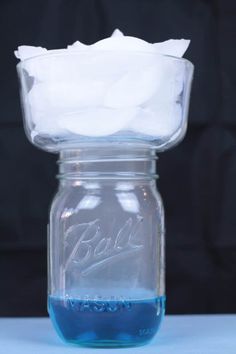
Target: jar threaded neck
(107, 162)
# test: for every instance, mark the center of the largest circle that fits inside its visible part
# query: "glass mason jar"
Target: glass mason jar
(106, 247)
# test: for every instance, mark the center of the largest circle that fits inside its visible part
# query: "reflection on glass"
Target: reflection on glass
(88, 202)
(129, 202)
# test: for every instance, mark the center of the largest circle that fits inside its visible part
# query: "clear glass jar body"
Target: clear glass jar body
(106, 248)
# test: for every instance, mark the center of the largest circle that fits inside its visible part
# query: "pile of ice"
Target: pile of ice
(119, 84)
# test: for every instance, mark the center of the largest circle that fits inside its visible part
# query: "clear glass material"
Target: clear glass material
(80, 98)
(106, 113)
(106, 247)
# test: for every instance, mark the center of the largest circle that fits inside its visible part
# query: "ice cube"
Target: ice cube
(48, 102)
(56, 67)
(66, 95)
(173, 47)
(78, 46)
(162, 114)
(26, 51)
(117, 33)
(136, 87)
(162, 122)
(98, 121)
(85, 66)
(46, 122)
(127, 43)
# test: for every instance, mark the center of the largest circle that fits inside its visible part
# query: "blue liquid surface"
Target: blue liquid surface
(106, 323)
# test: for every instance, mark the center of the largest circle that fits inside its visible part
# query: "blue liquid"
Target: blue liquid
(106, 323)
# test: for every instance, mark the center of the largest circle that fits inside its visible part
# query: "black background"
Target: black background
(197, 179)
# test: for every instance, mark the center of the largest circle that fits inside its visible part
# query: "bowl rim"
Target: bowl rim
(75, 52)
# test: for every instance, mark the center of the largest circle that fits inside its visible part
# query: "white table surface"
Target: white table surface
(179, 335)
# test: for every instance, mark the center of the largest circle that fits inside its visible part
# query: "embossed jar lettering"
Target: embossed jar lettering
(91, 248)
